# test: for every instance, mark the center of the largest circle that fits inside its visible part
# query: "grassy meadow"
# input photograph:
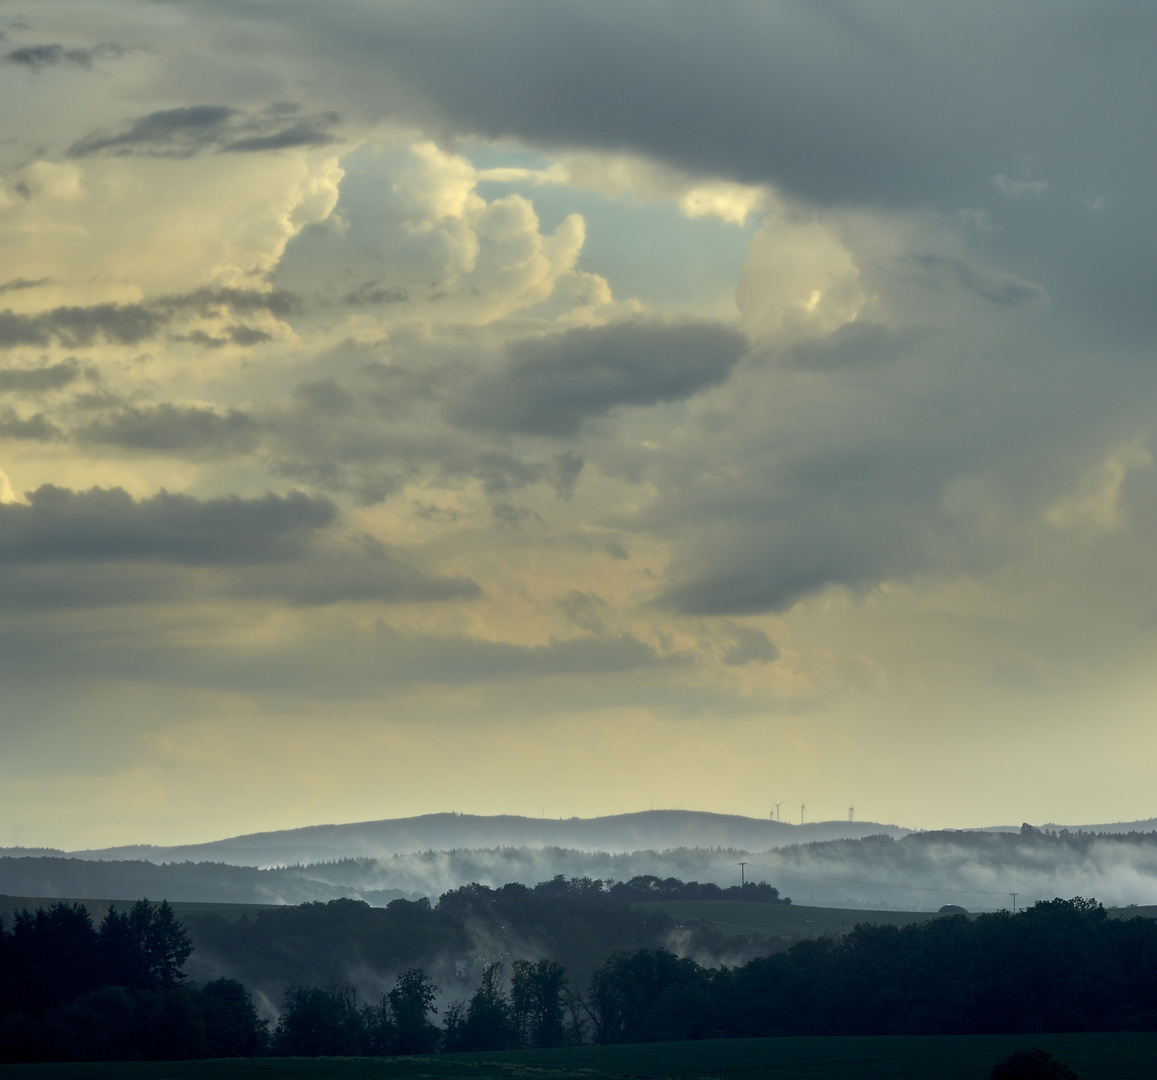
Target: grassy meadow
(798, 920)
(779, 920)
(98, 909)
(1116, 1056)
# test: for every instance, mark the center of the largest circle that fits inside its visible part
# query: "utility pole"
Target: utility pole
(1013, 895)
(742, 879)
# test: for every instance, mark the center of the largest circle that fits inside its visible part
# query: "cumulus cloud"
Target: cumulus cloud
(552, 385)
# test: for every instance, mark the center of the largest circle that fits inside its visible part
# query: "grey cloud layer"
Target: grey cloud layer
(130, 324)
(46, 377)
(58, 524)
(168, 428)
(903, 105)
(193, 129)
(552, 385)
(42, 56)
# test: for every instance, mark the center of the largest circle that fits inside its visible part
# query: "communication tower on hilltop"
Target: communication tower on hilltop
(851, 813)
(802, 808)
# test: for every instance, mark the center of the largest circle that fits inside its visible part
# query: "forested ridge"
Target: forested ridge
(72, 990)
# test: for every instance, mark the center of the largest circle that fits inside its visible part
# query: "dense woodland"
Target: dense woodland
(72, 990)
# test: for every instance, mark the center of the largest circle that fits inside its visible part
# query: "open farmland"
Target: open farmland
(793, 921)
(779, 920)
(1116, 1056)
(98, 909)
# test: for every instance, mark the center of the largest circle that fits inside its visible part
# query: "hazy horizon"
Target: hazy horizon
(571, 409)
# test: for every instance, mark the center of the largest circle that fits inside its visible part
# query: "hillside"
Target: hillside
(655, 830)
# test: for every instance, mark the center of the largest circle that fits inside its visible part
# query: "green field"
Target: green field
(1117, 1056)
(792, 921)
(98, 909)
(779, 920)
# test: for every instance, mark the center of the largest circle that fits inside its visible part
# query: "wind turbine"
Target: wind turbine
(802, 808)
(777, 806)
(851, 813)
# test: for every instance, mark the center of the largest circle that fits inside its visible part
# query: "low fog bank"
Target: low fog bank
(654, 830)
(920, 871)
(977, 870)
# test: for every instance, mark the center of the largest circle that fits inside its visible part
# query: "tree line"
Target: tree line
(573, 922)
(72, 991)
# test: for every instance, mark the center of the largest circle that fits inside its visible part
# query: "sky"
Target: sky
(572, 409)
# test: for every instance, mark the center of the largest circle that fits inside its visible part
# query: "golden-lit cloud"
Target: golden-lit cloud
(389, 385)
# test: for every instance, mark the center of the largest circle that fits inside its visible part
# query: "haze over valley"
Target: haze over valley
(840, 864)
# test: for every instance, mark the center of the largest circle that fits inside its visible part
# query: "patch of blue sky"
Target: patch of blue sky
(647, 251)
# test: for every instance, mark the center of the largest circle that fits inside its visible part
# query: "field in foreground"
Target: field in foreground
(1114, 1056)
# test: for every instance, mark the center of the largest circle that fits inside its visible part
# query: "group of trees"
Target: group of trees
(316, 1021)
(72, 991)
(329, 1022)
(69, 990)
(649, 887)
(1061, 965)
(573, 922)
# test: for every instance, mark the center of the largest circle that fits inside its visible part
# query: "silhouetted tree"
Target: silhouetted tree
(411, 1004)
(536, 1000)
(319, 1023)
(486, 1022)
(232, 1026)
(1032, 1064)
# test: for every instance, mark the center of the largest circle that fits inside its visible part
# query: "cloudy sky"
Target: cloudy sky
(574, 408)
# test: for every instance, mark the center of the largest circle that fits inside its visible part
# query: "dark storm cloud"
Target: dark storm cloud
(551, 385)
(863, 505)
(37, 380)
(905, 105)
(172, 428)
(130, 324)
(42, 56)
(193, 129)
(61, 525)
(840, 101)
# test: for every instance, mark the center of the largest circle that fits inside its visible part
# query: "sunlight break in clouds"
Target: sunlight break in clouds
(573, 408)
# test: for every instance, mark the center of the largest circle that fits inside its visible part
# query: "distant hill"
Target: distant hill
(839, 864)
(649, 830)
